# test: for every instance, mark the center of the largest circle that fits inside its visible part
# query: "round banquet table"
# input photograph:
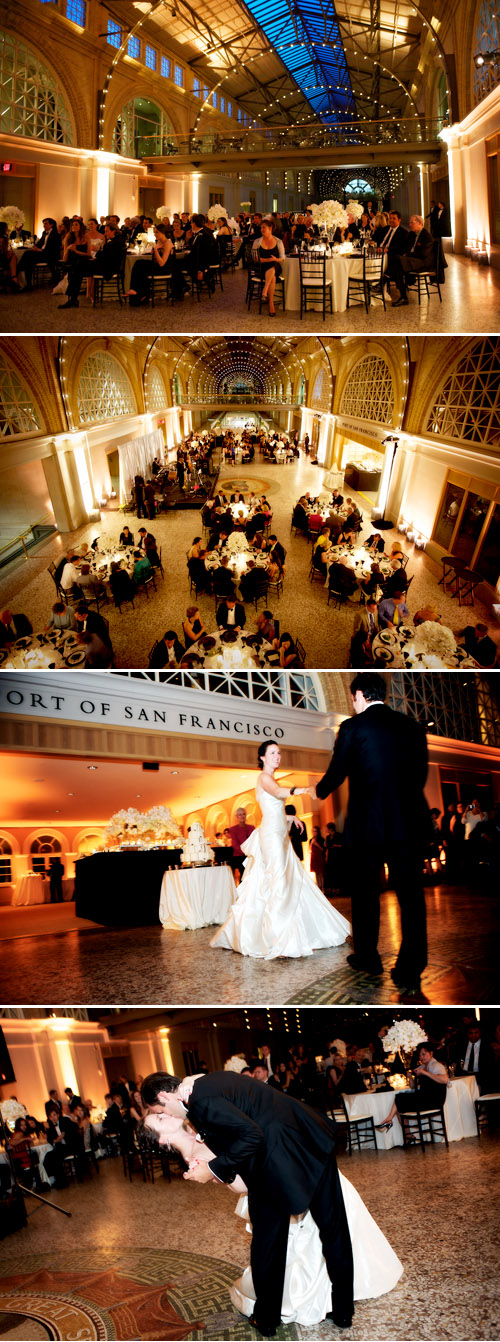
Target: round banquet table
(358, 558)
(459, 1112)
(31, 889)
(41, 1149)
(235, 653)
(393, 647)
(238, 560)
(196, 897)
(133, 256)
(45, 651)
(338, 268)
(100, 562)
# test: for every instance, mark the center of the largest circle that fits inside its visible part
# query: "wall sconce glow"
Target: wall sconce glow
(165, 1047)
(102, 206)
(83, 476)
(66, 1064)
(61, 1023)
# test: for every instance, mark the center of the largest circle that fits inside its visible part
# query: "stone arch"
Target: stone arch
(17, 378)
(11, 839)
(378, 350)
(39, 832)
(138, 88)
(90, 832)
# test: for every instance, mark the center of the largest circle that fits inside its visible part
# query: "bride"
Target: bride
(279, 909)
(307, 1294)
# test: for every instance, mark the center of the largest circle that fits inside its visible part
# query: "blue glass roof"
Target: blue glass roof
(306, 35)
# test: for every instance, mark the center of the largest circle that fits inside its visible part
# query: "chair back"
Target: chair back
(373, 261)
(301, 652)
(312, 269)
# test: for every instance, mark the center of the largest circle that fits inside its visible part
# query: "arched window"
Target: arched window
(486, 42)
(369, 392)
(442, 108)
(321, 394)
(157, 396)
(142, 128)
(5, 862)
(301, 689)
(467, 406)
(46, 845)
(301, 390)
(177, 390)
(18, 414)
(32, 102)
(104, 390)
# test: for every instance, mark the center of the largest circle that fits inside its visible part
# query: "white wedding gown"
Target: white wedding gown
(307, 1292)
(279, 909)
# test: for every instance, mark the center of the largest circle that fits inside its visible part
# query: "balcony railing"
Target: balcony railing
(26, 540)
(235, 398)
(409, 130)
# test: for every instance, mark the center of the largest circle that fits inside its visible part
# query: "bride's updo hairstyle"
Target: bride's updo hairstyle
(261, 753)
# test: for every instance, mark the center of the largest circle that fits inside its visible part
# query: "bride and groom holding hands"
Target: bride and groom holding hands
(315, 1247)
(279, 909)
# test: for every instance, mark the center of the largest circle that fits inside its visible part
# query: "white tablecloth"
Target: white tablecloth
(31, 890)
(394, 648)
(338, 268)
(41, 1151)
(196, 897)
(459, 1113)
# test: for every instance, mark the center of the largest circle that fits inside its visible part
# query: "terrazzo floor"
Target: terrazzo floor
(439, 1211)
(302, 607)
(471, 302)
(151, 965)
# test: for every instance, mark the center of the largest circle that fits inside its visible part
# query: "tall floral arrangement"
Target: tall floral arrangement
(236, 541)
(10, 1110)
(12, 216)
(403, 1038)
(330, 214)
(163, 212)
(217, 212)
(354, 208)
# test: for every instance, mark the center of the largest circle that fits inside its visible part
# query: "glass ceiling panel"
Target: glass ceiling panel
(306, 35)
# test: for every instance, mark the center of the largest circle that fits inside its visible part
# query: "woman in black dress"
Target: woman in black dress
(271, 253)
(161, 264)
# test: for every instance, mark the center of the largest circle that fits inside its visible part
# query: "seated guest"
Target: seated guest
(479, 644)
(396, 551)
(121, 584)
(255, 523)
(376, 543)
(366, 619)
(345, 536)
(392, 611)
(222, 578)
(397, 580)
(194, 551)
(341, 579)
(142, 567)
(322, 545)
(54, 1159)
(199, 574)
(13, 627)
(90, 622)
(277, 551)
(360, 652)
(426, 613)
(98, 654)
(126, 536)
(106, 262)
(299, 518)
(431, 1094)
(256, 580)
(372, 585)
(168, 651)
(72, 1126)
(266, 625)
(288, 652)
(231, 614)
(391, 237)
(352, 1078)
(337, 499)
(193, 626)
(418, 256)
(203, 250)
(70, 576)
(46, 250)
(62, 617)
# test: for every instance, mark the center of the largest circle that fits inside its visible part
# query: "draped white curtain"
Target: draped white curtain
(135, 458)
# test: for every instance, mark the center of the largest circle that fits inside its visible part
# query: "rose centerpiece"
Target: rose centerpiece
(10, 1111)
(403, 1038)
(236, 542)
(433, 640)
(12, 216)
(217, 212)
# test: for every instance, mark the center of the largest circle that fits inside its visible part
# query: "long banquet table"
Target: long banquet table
(459, 1112)
(196, 897)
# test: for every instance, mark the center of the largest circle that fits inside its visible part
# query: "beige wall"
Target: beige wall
(25, 499)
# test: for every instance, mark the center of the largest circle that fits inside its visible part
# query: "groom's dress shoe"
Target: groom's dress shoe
(267, 1330)
(407, 985)
(374, 968)
(340, 1320)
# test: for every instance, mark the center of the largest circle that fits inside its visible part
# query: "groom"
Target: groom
(383, 754)
(284, 1152)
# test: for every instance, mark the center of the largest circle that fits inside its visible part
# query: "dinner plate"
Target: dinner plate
(386, 636)
(22, 643)
(75, 658)
(384, 655)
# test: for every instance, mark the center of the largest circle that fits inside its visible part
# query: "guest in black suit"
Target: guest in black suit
(46, 250)
(419, 255)
(203, 249)
(13, 627)
(222, 579)
(376, 543)
(253, 581)
(231, 614)
(384, 756)
(106, 262)
(285, 1153)
(168, 651)
(439, 221)
(479, 644)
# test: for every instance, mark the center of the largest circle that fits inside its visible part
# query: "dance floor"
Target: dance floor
(470, 303)
(142, 1260)
(150, 965)
(302, 607)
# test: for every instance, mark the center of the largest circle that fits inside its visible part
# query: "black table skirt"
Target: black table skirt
(120, 889)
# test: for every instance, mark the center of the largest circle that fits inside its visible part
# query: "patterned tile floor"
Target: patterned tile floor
(150, 965)
(439, 1211)
(302, 607)
(470, 303)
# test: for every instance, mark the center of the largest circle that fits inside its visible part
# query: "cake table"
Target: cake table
(196, 897)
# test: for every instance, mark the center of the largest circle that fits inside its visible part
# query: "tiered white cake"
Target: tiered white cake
(197, 850)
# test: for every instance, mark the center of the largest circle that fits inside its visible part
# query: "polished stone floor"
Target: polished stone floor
(302, 607)
(471, 302)
(439, 1211)
(151, 965)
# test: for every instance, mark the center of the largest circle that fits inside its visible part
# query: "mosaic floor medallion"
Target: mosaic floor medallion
(148, 1295)
(242, 484)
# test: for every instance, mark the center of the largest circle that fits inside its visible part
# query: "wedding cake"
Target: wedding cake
(196, 850)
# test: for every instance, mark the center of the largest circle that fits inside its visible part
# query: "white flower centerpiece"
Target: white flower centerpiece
(12, 216)
(162, 213)
(10, 1111)
(329, 215)
(354, 208)
(236, 542)
(142, 829)
(403, 1038)
(217, 212)
(433, 640)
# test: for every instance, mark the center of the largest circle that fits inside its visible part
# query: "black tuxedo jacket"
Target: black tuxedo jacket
(239, 615)
(399, 240)
(423, 251)
(278, 1145)
(383, 754)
